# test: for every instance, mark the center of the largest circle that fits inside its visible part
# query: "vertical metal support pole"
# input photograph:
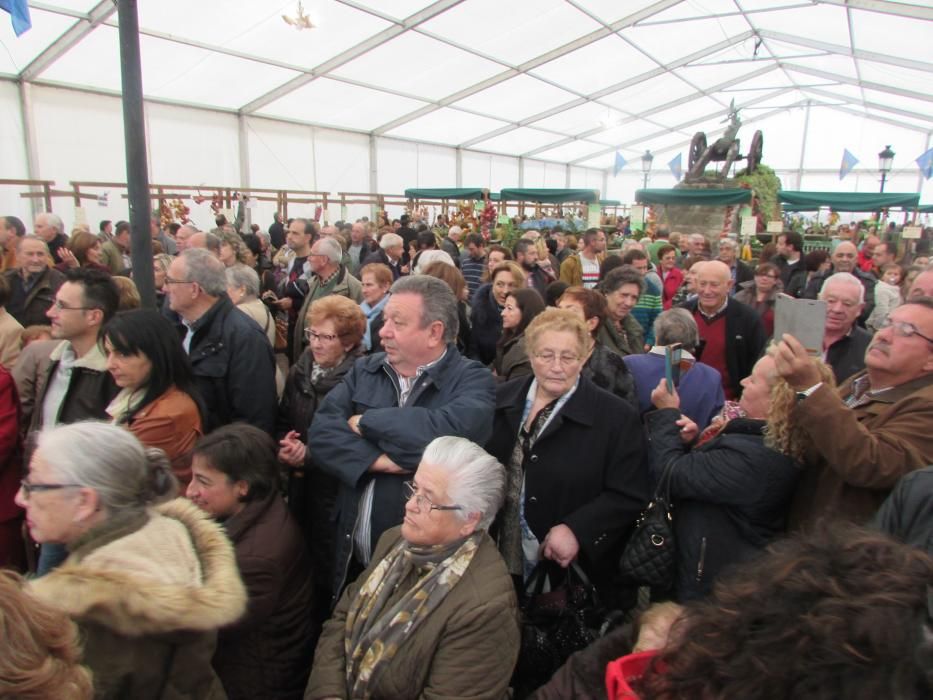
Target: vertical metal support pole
(29, 143)
(243, 152)
(803, 145)
(521, 171)
(459, 166)
(373, 175)
(134, 135)
(567, 176)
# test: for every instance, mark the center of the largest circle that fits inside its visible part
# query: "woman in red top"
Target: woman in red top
(671, 276)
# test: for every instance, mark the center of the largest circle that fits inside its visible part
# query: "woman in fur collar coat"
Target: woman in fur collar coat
(148, 581)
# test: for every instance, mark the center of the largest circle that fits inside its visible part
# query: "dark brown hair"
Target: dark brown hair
(841, 612)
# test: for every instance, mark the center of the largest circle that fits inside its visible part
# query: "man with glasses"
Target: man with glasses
(231, 357)
(872, 430)
(75, 384)
(371, 429)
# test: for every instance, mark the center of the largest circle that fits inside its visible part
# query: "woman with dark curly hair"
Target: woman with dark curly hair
(838, 613)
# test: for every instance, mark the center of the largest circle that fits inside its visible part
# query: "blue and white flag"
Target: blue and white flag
(925, 163)
(676, 166)
(620, 163)
(19, 11)
(848, 162)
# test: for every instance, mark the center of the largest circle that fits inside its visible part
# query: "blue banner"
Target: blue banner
(848, 162)
(620, 163)
(925, 163)
(676, 166)
(19, 12)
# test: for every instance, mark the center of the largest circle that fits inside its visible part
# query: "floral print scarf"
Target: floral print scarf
(375, 629)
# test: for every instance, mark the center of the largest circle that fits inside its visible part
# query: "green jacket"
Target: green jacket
(631, 342)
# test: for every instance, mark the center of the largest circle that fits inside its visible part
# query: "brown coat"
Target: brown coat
(267, 653)
(466, 648)
(861, 452)
(149, 631)
(571, 271)
(171, 423)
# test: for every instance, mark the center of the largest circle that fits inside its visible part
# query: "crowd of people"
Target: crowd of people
(329, 460)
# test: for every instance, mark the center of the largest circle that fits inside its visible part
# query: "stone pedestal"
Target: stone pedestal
(711, 221)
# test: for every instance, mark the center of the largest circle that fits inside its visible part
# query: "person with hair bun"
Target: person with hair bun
(40, 652)
(148, 579)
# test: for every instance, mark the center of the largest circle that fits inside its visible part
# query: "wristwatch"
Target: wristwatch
(801, 395)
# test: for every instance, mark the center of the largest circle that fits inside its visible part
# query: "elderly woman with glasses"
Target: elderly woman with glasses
(434, 615)
(335, 333)
(574, 457)
(149, 580)
(761, 293)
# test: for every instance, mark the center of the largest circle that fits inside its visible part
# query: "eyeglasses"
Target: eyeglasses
(548, 358)
(411, 491)
(172, 280)
(903, 329)
(28, 489)
(326, 337)
(58, 306)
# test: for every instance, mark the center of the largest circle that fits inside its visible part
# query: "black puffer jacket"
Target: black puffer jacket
(608, 371)
(311, 492)
(730, 496)
(907, 513)
(486, 322)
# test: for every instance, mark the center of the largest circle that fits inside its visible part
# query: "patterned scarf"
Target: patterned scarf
(375, 629)
(730, 410)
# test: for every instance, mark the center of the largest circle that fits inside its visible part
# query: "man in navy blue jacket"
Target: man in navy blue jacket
(372, 428)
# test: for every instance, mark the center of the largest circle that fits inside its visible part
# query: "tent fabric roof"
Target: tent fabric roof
(571, 81)
(848, 201)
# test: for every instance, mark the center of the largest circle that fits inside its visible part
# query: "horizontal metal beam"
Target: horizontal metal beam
(836, 78)
(353, 52)
(901, 9)
(71, 38)
(874, 105)
(846, 51)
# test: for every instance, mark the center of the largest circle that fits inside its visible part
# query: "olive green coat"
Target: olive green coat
(466, 648)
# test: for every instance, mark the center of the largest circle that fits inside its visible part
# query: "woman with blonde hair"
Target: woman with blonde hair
(40, 652)
(730, 485)
(232, 249)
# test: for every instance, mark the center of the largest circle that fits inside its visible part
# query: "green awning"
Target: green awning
(691, 197)
(495, 196)
(925, 209)
(847, 201)
(446, 193)
(610, 203)
(549, 195)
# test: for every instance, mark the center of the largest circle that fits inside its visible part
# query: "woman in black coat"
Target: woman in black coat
(486, 314)
(731, 492)
(573, 456)
(335, 329)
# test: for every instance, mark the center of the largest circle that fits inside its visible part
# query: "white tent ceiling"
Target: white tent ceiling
(571, 81)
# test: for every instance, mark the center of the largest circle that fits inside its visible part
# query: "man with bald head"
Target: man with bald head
(732, 335)
(844, 258)
(922, 286)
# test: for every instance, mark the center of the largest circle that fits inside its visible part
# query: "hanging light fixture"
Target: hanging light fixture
(300, 21)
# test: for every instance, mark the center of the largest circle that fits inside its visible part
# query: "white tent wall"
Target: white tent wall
(489, 170)
(12, 153)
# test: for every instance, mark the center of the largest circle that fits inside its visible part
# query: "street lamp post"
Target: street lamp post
(885, 161)
(646, 167)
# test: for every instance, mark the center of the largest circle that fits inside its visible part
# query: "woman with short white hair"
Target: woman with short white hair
(149, 580)
(435, 613)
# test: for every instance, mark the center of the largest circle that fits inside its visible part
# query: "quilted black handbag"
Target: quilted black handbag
(555, 624)
(649, 556)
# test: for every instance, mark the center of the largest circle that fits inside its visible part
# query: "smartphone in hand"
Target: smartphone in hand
(672, 355)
